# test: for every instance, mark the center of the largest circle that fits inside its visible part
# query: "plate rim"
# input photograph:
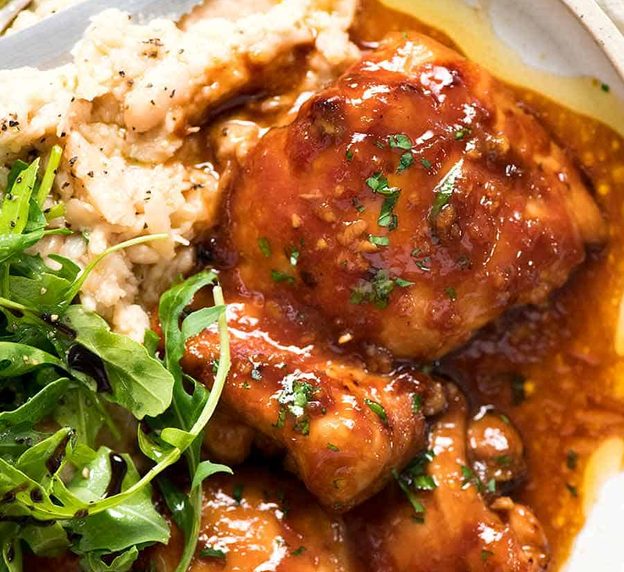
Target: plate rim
(605, 34)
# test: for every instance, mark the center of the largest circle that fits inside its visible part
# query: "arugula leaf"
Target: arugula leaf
(54, 356)
(18, 359)
(46, 540)
(206, 469)
(38, 406)
(131, 523)
(93, 562)
(16, 203)
(139, 382)
(198, 321)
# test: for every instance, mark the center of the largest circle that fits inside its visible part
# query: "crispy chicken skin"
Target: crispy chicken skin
(460, 532)
(416, 165)
(343, 428)
(261, 521)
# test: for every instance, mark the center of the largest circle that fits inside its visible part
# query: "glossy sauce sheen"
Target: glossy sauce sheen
(561, 356)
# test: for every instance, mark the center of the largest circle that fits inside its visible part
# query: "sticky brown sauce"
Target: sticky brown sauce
(553, 370)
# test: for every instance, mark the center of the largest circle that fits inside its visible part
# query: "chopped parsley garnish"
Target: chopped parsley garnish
(426, 163)
(503, 460)
(377, 409)
(490, 486)
(299, 551)
(424, 264)
(572, 490)
(359, 207)
(378, 240)
(405, 162)
(332, 447)
(281, 419)
(387, 218)
(264, 246)
(605, 87)
(414, 478)
(377, 290)
(462, 133)
(378, 183)
(279, 276)
(400, 141)
(485, 554)
(237, 493)
(451, 293)
(293, 255)
(209, 552)
(572, 459)
(470, 478)
(297, 391)
(445, 189)
(349, 155)
(417, 402)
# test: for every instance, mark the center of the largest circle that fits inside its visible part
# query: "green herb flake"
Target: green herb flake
(572, 490)
(264, 246)
(414, 478)
(378, 240)
(462, 133)
(417, 403)
(485, 554)
(451, 293)
(376, 291)
(349, 155)
(209, 552)
(572, 459)
(605, 87)
(299, 551)
(278, 276)
(400, 141)
(237, 492)
(281, 419)
(470, 478)
(377, 409)
(359, 207)
(405, 162)
(387, 218)
(445, 189)
(402, 283)
(293, 255)
(503, 460)
(377, 182)
(426, 163)
(333, 447)
(424, 264)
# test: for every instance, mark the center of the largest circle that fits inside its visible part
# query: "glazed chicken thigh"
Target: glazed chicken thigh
(458, 530)
(343, 428)
(259, 520)
(411, 203)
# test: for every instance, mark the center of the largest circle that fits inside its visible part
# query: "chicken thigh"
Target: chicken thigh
(454, 528)
(259, 520)
(411, 203)
(344, 428)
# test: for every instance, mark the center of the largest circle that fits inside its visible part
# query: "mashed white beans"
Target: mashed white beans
(126, 111)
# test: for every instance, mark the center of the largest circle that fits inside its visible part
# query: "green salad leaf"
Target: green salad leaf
(69, 390)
